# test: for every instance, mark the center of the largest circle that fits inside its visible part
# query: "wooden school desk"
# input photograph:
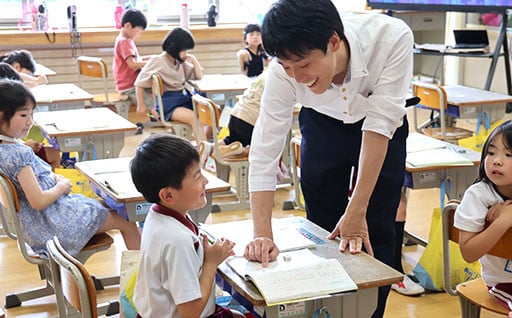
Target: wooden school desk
(43, 70)
(453, 179)
(469, 102)
(367, 272)
(111, 180)
(432, 175)
(223, 88)
(51, 97)
(97, 132)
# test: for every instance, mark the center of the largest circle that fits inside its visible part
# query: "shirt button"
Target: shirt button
(345, 113)
(344, 97)
(343, 89)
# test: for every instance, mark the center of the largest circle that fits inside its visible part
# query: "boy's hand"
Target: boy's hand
(217, 252)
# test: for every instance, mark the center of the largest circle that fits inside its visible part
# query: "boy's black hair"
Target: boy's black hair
(504, 129)
(23, 57)
(8, 72)
(178, 40)
(13, 96)
(161, 160)
(135, 17)
(292, 27)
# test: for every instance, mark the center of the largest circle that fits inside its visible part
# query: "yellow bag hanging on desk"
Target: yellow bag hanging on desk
(429, 269)
(476, 142)
(80, 183)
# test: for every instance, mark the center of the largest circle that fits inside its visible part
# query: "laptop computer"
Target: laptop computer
(471, 39)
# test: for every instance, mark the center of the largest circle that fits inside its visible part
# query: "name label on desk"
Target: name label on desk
(218, 96)
(142, 208)
(72, 142)
(292, 309)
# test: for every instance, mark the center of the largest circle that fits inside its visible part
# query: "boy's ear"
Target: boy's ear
(16, 66)
(166, 195)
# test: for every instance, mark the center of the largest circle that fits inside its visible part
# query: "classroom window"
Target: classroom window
(20, 12)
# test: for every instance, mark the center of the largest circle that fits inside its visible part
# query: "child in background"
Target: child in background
(127, 63)
(46, 152)
(242, 118)
(23, 62)
(176, 276)
(485, 213)
(176, 67)
(252, 58)
(47, 208)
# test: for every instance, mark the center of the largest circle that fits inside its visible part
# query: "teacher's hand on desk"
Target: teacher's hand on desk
(353, 231)
(261, 249)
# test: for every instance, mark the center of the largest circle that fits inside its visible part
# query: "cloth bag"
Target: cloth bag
(429, 269)
(80, 183)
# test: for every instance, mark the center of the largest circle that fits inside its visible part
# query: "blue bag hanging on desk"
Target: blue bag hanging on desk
(429, 269)
(479, 137)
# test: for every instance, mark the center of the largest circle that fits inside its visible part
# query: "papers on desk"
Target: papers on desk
(294, 276)
(437, 157)
(287, 236)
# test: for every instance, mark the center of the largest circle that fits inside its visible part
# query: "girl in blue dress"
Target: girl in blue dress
(47, 207)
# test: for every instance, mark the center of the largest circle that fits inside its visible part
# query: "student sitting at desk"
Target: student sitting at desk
(175, 67)
(47, 208)
(24, 64)
(480, 226)
(242, 118)
(176, 276)
(46, 152)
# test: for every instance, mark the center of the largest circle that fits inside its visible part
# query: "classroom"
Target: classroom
(91, 116)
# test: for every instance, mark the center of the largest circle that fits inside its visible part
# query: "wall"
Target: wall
(215, 49)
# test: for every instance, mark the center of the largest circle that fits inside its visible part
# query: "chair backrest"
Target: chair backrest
(431, 95)
(72, 281)
(207, 114)
(451, 233)
(10, 221)
(157, 87)
(93, 67)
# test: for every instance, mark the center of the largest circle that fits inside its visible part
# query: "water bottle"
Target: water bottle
(118, 15)
(184, 18)
(42, 18)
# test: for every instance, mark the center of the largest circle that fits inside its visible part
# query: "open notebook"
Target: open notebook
(294, 276)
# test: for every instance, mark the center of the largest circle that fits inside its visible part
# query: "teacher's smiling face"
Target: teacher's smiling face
(317, 69)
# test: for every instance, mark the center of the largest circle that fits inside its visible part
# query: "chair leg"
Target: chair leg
(468, 309)
(100, 283)
(108, 308)
(15, 300)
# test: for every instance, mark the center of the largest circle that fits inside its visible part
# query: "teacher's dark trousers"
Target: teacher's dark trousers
(329, 150)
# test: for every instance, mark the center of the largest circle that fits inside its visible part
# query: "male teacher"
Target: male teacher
(351, 79)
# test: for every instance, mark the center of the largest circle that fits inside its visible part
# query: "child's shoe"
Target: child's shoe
(233, 149)
(408, 287)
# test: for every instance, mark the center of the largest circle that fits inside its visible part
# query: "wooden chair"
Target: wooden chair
(9, 209)
(96, 67)
(179, 129)
(473, 295)
(433, 97)
(73, 285)
(207, 115)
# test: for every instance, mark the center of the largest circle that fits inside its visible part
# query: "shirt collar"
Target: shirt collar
(357, 65)
(185, 220)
